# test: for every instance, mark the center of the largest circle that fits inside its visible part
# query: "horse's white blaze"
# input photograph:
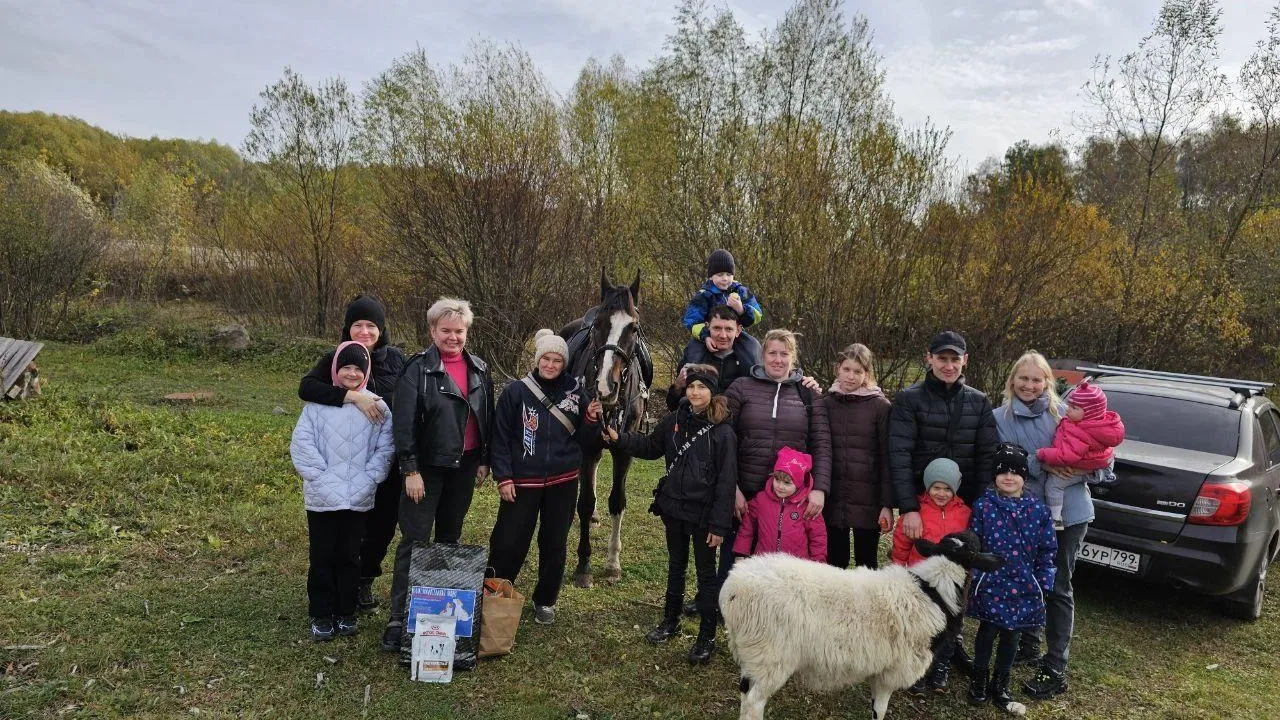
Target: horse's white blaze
(617, 323)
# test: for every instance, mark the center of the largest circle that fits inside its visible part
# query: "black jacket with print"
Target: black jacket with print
(529, 444)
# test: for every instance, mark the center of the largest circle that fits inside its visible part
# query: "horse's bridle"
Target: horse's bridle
(614, 417)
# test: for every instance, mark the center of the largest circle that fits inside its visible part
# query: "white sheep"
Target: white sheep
(833, 628)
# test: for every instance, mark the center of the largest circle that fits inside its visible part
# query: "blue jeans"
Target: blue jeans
(1060, 602)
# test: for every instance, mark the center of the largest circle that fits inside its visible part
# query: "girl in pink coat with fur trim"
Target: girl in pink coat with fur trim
(775, 519)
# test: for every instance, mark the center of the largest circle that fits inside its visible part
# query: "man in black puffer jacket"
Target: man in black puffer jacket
(937, 417)
(940, 417)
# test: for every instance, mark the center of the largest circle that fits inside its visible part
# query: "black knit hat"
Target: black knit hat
(366, 307)
(352, 353)
(719, 261)
(1010, 458)
(705, 374)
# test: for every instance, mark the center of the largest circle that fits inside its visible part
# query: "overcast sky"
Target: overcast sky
(994, 71)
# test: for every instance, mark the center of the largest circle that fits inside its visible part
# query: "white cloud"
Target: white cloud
(995, 71)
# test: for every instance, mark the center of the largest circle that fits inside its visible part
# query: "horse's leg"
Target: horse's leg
(617, 506)
(586, 507)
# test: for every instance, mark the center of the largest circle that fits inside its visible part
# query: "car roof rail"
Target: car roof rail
(1247, 388)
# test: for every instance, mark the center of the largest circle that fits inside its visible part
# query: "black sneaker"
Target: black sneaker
(1046, 683)
(322, 629)
(391, 637)
(663, 631)
(920, 688)
(346, 625)
(365, 602)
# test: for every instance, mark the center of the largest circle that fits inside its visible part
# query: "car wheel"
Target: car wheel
(1246, 604)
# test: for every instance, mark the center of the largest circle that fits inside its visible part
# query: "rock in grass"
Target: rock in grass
(232, 337)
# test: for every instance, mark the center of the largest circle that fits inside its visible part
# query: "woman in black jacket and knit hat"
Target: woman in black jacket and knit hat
(536, 458)
(365, 322)
(694, 499)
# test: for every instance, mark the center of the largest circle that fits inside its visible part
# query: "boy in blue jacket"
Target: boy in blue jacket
(720, 289)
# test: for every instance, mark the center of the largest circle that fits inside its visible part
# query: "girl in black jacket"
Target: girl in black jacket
(694, 498)
(366, 323)
(536, 460)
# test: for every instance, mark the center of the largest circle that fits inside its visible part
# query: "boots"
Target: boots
(664, 630)
(702, 650)
(365, 602)
(705, 646)
(938, 676)
(978, 681)
(999, 692)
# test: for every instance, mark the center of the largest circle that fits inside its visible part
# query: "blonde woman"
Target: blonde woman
(772, 408)
(1029, 417)
(442, 421)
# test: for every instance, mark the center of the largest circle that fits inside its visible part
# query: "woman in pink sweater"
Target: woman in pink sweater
(775, 519)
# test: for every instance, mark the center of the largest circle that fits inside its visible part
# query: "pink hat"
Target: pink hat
(794, 463)
(1090, 399)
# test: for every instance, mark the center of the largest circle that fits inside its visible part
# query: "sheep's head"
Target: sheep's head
(962, 548)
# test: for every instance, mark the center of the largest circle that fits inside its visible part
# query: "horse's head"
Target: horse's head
(613, 338)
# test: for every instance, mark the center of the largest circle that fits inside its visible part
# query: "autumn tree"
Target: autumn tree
(302, 138)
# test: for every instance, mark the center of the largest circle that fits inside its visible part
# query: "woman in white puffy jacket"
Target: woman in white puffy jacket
(341, 457)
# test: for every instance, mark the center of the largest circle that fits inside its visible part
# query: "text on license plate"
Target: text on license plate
(1111, 557)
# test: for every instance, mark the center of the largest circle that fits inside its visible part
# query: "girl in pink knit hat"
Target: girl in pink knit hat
(1083, 441)
(775, 519)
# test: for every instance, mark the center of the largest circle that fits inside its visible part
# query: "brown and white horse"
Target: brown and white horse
(607, 361)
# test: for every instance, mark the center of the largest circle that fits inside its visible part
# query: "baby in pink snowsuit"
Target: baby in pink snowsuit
(1083, 441)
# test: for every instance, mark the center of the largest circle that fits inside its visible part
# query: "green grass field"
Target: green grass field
(154, 557)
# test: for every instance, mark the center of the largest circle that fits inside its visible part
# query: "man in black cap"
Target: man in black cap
(937, 417)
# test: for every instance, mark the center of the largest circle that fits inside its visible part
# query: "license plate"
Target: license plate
(1122, 560)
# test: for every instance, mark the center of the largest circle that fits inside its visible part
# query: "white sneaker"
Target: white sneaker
(544, 614)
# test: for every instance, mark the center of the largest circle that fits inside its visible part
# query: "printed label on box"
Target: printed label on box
(448, 602)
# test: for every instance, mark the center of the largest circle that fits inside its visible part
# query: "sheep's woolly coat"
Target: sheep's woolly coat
(832, 627)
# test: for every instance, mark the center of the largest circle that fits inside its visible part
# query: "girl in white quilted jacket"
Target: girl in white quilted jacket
(341, 457)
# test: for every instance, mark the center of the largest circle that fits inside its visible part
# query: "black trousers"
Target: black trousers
(334, 571)
(866, 547)
(380, 524)
(551, 510)
(679, 534)
(986, 638)
(444, 505)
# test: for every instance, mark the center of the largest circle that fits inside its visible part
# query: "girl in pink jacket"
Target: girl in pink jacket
(1083, 441)
(775, 519)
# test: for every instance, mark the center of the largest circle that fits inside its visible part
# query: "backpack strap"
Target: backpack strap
(556, 412)
(806, 397)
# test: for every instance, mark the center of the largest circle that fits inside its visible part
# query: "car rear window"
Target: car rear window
(1177, 423)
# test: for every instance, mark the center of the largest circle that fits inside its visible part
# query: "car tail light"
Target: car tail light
(1224, 503)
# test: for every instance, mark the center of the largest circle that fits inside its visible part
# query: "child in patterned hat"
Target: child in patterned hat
(1083, 441)
(1017, 527)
